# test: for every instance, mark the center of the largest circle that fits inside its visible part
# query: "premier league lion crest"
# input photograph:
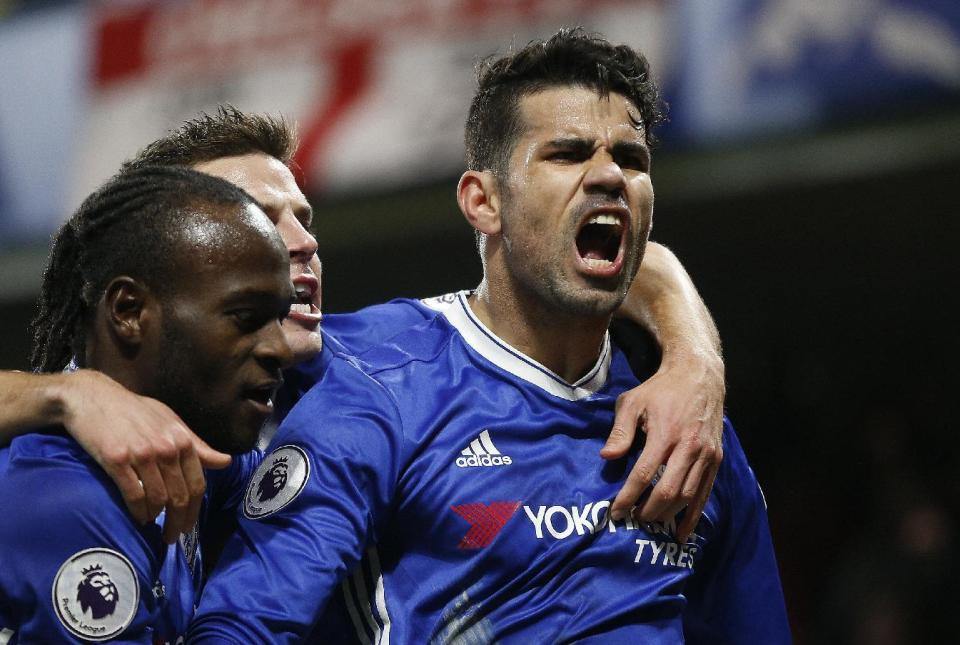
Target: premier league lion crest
(274, 481)
(96, 594)
(277, 482)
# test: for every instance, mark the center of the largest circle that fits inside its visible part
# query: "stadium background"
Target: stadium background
(808, 180)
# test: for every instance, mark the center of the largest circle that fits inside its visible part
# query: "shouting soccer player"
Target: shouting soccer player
(446, 486)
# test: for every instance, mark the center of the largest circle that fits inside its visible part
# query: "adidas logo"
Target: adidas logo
(482, 452)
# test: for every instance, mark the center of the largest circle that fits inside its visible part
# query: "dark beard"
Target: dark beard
(170, 386)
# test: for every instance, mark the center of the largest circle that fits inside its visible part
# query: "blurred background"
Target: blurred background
(808, 180)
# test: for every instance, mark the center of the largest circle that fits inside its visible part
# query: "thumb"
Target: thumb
(210, 458)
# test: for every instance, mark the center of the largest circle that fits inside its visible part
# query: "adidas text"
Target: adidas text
(484, 460)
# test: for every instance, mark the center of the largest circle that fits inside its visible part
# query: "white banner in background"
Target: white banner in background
(379, 89)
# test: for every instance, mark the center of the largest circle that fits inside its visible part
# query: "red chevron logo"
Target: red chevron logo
(485, 520)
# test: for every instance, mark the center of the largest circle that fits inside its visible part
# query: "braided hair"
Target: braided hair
(127, 227)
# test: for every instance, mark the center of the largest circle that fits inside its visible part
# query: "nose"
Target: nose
(301, 244)
(605, 175)
(272, 350)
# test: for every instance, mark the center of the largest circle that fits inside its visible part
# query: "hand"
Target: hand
(154, 458)
(681, 410)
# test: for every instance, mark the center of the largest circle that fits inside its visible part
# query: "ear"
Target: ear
(127, 302)
(479, 199)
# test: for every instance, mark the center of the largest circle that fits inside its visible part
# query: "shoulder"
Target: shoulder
(368, 326)
(50, 485)
(66, 536)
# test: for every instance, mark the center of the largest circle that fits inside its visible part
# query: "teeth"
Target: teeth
(302, 290)
(604, 218)
(597, 263)
(300, 309)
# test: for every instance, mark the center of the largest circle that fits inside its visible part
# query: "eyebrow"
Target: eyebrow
(632, 148)
(579, 144)
(305, 215)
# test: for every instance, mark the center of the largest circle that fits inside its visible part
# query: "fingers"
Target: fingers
(178, 497)
(639, 479)
(154, 490)
(669, 496)
(691, 515)
(132, 492)
(209, 458)
(629, 409)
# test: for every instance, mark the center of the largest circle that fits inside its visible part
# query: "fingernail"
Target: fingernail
(617, 515)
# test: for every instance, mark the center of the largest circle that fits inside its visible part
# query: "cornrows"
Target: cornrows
(127, 227)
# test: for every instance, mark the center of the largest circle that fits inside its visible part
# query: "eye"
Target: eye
(566, 156)
(248, 319)
(634, 162)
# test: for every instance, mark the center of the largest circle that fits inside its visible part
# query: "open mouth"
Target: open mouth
(262, 396)
(303, 307)
(600, 241)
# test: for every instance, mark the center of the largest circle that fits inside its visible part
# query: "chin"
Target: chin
(304, 345)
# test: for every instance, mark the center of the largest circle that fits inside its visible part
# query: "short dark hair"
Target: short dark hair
(227, 133)
(569, 57)
(130, 226)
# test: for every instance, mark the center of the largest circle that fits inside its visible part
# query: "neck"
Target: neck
(104, 356)
(564, 343)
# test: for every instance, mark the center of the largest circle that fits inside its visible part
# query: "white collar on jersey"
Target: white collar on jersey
(457, 311)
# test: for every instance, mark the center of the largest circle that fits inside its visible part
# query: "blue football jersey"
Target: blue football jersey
(354, 333)
(75, 566)
(445, 488)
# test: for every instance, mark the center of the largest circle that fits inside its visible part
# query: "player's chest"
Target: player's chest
(504, 491)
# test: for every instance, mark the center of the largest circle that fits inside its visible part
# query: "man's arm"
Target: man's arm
(681, 406)
(309, 513)
(134, 439)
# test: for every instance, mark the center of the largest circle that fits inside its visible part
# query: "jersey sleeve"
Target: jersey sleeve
(74, 565)
(735, 596)
(352, 334)
(359, 331)
(225, 487)
(318, 499)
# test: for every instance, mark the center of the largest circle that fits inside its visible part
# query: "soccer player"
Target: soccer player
(445, 486)
(157, 462)
(173, 283)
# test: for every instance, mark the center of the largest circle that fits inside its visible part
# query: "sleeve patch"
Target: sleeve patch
(96, 594)
(278, 481)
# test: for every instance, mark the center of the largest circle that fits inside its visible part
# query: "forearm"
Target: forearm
(29, 400)
(664, 301)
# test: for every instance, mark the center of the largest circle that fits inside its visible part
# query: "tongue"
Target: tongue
(594, 242)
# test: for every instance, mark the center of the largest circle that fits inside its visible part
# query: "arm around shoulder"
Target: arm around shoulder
(681, 406)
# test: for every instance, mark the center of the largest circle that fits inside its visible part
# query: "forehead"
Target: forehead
(265, 178)
(230, 247)
(580, 112)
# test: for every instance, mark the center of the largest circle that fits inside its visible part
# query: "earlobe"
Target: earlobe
(126, 299)
(479, 199)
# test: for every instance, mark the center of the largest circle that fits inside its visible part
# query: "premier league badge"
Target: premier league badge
(95, 594)
(277, 482)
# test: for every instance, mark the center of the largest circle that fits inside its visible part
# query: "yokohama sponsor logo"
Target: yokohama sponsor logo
(485, 520)
(563, 521)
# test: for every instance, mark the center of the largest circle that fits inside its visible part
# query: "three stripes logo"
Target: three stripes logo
(485, 520)
(482, 452)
